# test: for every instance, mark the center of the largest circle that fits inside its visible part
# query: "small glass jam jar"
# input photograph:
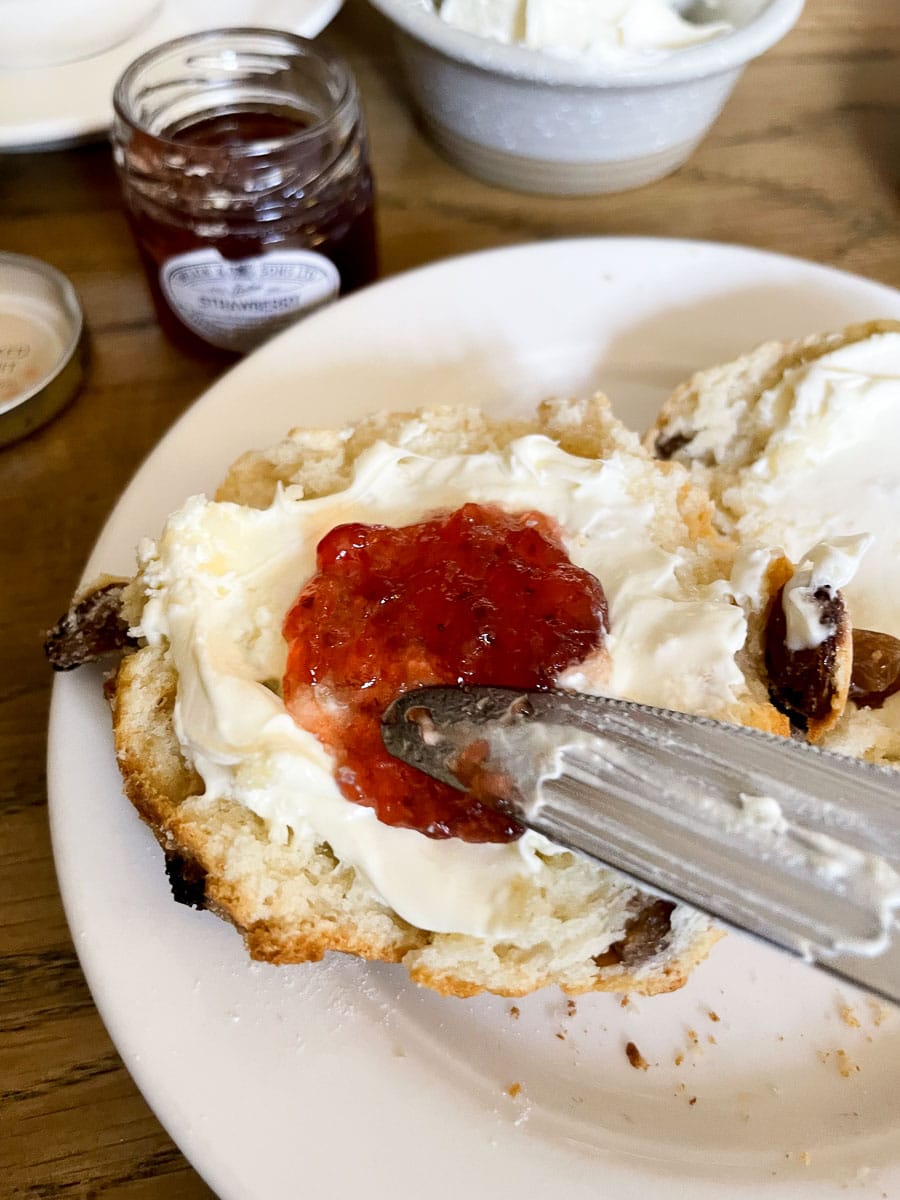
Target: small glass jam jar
(244, 167)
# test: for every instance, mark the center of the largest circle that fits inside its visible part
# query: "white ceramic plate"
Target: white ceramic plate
(51, 105)
(341, 1079)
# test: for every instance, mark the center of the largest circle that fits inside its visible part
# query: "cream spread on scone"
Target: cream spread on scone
(830, 468)
(221, 578)
(827, 566)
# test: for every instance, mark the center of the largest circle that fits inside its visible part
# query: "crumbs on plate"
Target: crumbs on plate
(849, 1017)
(635, 1057)
(844, 1063)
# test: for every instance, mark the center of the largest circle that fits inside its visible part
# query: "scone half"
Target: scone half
(244, 802)
(797, 444)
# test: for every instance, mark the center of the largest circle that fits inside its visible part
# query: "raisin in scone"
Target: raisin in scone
(251, 807)
(797, 444)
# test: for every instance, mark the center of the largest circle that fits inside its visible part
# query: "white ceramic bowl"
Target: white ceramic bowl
(537, 122)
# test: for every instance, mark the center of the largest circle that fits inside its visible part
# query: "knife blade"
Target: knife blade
(788, 842)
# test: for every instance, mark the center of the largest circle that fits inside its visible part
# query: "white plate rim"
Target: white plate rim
(73, 101)
(219, 401)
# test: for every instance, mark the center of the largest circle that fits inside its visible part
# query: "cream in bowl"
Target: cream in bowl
(577, 96)
(606, 30)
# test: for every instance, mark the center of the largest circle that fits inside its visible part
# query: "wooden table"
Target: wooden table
(804, 160)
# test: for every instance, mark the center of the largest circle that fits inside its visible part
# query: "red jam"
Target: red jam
(477, 596)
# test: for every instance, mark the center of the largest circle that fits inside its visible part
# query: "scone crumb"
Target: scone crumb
(879, 1012)
(571, 1008)
(561, 1035)
(679, 1059)
(805, 1157)
(845, 1064)
(514, 1012)
(625, 1001)
(692, 1035)
(635, 1057)
(692, 1101)
(711, 1039)
(513, 1090)
(713, 1016)
(849, 1017)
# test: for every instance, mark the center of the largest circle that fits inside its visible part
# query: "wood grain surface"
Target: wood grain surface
(804, 160)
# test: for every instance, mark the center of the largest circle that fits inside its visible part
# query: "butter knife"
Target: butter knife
(773, 836)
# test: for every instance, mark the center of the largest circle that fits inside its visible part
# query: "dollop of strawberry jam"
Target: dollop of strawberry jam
(476, 596)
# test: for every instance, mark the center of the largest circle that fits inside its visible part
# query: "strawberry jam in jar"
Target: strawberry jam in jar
(244, 168)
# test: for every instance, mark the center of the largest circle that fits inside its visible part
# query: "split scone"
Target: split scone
(799, 446)
(231, 733)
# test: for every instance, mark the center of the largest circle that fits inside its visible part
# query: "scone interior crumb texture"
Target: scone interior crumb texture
(244, 802)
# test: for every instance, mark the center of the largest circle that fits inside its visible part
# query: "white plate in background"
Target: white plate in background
(48, 106)
(341, 1078)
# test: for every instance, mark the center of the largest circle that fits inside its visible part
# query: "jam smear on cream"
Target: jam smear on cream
(476, 596)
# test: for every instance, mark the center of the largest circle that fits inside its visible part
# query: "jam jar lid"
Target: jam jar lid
(41, 331)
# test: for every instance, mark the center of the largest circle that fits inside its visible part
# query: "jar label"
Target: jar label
(236, 303)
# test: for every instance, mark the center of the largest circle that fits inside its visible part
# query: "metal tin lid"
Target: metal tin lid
(41, 324)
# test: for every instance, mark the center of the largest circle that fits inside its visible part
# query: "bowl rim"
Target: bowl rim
(729, 52)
